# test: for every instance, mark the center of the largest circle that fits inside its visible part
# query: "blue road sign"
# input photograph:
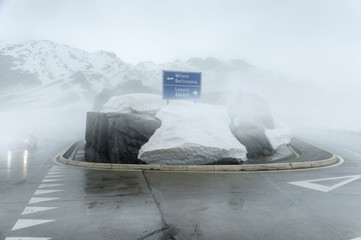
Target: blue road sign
(182, 85)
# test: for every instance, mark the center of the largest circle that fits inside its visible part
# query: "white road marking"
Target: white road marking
(311, 185)
(51, 180)
(359, 238)
(30, 210)
(55, 173)
(356, 153)
(58, 167)
(49, 185)
(25, 223)
(57, 170)
(26, 238)
(37, 200)
(53, 176)
(39, 192)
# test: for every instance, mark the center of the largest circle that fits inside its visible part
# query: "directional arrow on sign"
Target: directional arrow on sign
(319, 187)
(195, 92)
(169, 78)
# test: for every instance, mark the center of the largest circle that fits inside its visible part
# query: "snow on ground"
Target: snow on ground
(138, 102)
(192, 134)
(278, 136)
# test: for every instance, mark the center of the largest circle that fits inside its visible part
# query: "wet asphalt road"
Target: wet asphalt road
(40, 199)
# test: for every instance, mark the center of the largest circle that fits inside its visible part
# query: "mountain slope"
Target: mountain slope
(43, 73)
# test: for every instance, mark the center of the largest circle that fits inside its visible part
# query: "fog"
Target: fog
(314, 45)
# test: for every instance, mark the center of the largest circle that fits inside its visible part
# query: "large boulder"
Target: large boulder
(96, 137)
(192, 134)
(250, 116)
(117, 137)
(254, 138)
(127, 132)
(126, 123)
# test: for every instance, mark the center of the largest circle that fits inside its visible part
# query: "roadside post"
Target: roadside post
(178, 85)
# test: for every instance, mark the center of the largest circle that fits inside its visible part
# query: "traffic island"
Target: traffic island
(307, 156)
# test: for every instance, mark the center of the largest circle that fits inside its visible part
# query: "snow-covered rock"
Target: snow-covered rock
(278, 136)
(192, 134)
(139, 103)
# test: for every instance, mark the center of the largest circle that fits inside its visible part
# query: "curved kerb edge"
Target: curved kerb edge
(202, 168)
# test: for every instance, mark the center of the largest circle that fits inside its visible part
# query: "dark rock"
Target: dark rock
(117, 138)
(127, 133)
(250, 115)
(253, 137)
(96, 138)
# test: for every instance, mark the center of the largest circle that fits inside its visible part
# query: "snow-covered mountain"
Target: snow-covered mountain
(42, 73)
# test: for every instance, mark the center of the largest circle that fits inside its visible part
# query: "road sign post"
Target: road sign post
(179, 85)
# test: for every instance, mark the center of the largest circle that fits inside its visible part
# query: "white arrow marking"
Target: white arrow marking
(39, 192)
(311, 185)
(25, 223)
(51, 180)
(30, 210)
(195, 92)
(26, 238)
(49, 185)
(169, 78)
(37, 200)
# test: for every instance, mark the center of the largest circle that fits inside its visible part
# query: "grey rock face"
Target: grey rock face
(250, 115)
(117, 138)
(253, 137)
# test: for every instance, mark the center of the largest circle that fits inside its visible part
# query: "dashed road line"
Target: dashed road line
(55, 174)
(30, 210)
(49, 185)
(26, 238)
(38, 200)
(51, 180)
(40, 192)
(25, 223)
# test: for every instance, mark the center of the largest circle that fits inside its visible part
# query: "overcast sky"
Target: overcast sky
(311, 39)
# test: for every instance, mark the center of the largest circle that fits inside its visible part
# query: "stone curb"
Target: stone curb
(202, 168)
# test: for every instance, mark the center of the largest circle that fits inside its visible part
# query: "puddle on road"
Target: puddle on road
(113, 184)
